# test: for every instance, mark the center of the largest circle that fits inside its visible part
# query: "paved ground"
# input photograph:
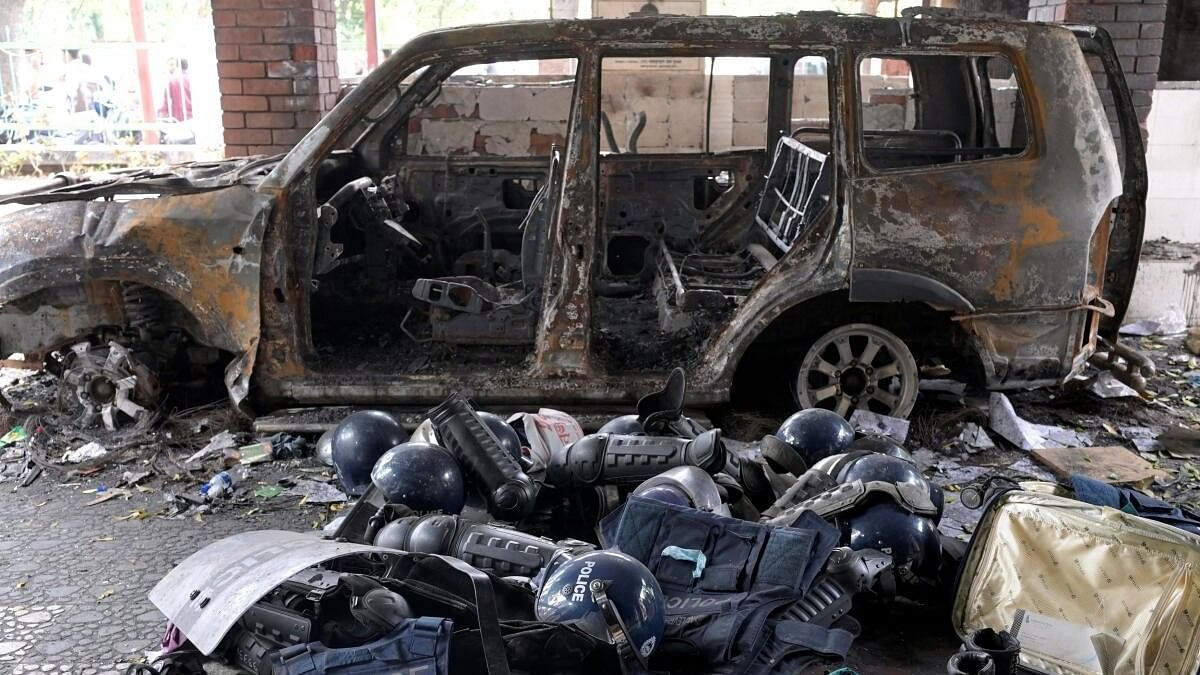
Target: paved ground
(74, 578)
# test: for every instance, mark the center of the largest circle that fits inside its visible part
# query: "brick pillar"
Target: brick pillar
(277, 65)
(1136, 27)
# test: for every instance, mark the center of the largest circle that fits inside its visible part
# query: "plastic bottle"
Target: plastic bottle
(220, 485)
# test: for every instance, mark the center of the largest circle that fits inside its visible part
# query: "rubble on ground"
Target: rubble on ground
(209, 460)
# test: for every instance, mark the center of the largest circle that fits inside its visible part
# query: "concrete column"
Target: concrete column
(1136, 27)
(277, 65)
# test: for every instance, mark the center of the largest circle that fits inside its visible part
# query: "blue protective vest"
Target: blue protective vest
(415, 647)
(740, 596)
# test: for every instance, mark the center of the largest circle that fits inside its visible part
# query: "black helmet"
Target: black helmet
(688, 486)
(910, 539)
(509, 440)
(874, 466)
(816, 433)
(625, 425)
(358, 442)
(881, 444)
(893, 469)
(609, 595)
(422, 476)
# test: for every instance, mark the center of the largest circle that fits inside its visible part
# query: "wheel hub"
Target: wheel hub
(110, 385)
(853, 381)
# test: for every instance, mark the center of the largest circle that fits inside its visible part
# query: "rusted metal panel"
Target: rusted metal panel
(1006, 232)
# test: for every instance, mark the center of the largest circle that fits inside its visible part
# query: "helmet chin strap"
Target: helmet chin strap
(632, 661)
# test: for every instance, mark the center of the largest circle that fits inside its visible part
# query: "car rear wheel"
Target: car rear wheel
(858, 365)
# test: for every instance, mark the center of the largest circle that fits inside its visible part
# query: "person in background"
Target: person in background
(177, 98)
(78, 82)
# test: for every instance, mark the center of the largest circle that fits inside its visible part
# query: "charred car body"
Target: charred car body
(861, 197)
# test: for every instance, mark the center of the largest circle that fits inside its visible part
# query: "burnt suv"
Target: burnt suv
(559, 212)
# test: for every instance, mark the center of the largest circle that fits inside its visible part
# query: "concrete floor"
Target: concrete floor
(74, 578)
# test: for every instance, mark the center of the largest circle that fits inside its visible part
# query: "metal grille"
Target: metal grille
(795, 192)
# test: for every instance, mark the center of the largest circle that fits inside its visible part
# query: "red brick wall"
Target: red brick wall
(277, 64)
(1136, 27)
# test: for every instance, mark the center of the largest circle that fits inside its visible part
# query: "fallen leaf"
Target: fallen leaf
(136, 514)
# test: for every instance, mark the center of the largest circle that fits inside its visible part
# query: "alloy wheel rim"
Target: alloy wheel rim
(858, 366)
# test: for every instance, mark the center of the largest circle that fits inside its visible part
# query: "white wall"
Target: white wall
(1172, 205)
(1173, 157)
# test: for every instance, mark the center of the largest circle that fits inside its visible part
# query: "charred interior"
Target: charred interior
(432, 238)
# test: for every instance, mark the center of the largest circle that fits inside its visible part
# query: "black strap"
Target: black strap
(486, 613)
(781, 455)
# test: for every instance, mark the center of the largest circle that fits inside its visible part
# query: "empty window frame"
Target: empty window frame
(501, 109)
(683, 104)
(922, 110)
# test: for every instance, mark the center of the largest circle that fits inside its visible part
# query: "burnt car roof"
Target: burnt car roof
(779, 31)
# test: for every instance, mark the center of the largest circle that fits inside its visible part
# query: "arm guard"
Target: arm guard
(628, 460)
(487, 546)
(509, 492)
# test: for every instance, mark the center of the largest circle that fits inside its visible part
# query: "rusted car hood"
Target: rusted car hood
(178, 179)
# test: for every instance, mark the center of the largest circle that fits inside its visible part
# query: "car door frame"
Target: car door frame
(286, 367)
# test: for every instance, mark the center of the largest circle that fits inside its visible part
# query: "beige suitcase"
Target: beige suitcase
(1088, 590)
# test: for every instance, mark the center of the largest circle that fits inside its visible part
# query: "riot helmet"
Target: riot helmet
(910, 539)
(503, 431)
(609, 595)
(324, 449)
(422, 476)
(358, 442)
(684, 486)
(816, 433)
(881, 444)
(874, 466)
(625, 425)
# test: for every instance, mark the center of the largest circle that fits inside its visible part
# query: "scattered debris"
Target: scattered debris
(316, 492)
(1109, 464)
(975, 438)
(255, 453)
(217, 445)
(868, 422)
(14, 435)
(268, 491)
(943, 389)
(1180, 442)
(220, 485)
(84, 453)
(288, 446)
(107, 495)
(1171, 322)
(1144, 439)
(1004, 420)
(1026, 435)
(1192, 341)
(1105, 385)
(132, 478)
